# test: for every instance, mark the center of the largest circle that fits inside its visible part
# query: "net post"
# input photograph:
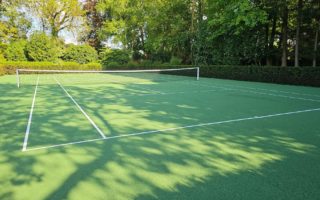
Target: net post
(198, 73)
(18, 78)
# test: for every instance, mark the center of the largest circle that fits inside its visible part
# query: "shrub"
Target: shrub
(80, 54)
(114, 56)
(2, 69)
(16, 51)
(175, 61)
(2, 58)
(41, 48)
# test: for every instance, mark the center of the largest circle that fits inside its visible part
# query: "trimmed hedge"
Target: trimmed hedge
(10, 67)
(309, 76)
(285, 75)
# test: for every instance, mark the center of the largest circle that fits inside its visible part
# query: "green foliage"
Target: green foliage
(10, 67)
(115, 56)
(309, 76)
(200, 32)
(175, 61)
(57, 15)
(234, 16)
(41, 48)
(16, 51)
(285, 75)
(2, 58)
(2, 69)
(80, 54)
(14, 23)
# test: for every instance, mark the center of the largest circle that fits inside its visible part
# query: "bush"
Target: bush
(114, 56)
(41, 48)
(16, 51)
(175, 61)
(2, 70)
(80, 54)
(2, 58)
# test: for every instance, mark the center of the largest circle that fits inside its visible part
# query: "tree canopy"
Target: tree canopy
(206, 32)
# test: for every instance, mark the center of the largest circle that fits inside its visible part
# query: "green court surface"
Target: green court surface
(98, 136)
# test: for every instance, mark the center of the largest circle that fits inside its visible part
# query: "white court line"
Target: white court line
(263, 93)
(177, 128)
(151, 90)
(280, 91)
(157, 94)
(83, 112)
(134, 85)
(26, 137)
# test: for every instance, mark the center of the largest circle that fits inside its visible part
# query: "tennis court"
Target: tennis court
(157, 136)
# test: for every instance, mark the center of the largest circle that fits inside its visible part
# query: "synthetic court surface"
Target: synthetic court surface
(84, 137)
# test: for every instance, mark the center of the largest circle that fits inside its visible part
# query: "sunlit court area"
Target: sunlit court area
(159, 100)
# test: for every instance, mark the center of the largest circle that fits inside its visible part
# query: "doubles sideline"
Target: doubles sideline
(178, 128)
(254, 92)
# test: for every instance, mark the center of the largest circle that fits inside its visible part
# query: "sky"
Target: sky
(68, 36)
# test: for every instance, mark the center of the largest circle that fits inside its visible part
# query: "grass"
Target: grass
(268, 158)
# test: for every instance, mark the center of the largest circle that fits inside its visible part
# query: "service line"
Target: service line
(179, 128)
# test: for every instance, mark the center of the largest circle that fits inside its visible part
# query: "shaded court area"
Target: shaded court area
(138, 137)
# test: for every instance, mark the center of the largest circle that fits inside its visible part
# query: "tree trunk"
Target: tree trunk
(266, 42)
(296, 55)
(271, 41)
(284, 36)
(314, 63)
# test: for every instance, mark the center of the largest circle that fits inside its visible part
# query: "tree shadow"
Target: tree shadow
(247, 160)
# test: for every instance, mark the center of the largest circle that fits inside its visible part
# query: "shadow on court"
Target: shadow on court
(266, 159)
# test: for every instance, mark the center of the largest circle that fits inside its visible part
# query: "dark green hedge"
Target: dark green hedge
(285, 75)
(309, 76)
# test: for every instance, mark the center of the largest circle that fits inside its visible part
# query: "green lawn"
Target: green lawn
(177, 139)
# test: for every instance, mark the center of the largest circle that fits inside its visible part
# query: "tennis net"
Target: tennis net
(27, 76)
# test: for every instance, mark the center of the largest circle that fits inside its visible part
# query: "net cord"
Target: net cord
(106, 71)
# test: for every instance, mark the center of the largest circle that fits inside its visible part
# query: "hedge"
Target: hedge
(10, 67)
(308, 76)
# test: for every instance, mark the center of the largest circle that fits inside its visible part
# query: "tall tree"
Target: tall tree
(13, 21)
(284, 36)
(95, 21)
(315, 48)
(57, 15)
(299, 15)
(317, 30)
